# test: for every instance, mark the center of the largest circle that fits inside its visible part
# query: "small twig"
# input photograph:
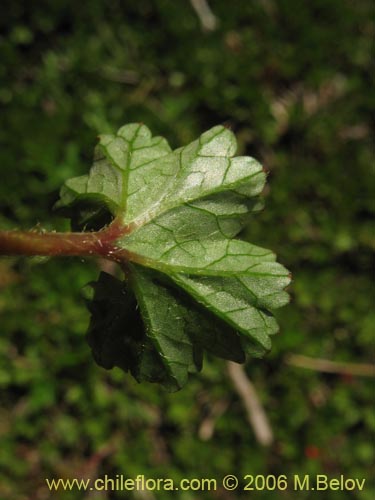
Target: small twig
(327, 366)
(255, 412)
(121, 76)
(108, 266)
(207, 426)
(206, 17)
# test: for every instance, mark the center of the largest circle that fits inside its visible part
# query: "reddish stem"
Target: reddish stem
(100, 243)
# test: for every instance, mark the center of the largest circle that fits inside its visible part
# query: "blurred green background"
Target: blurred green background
(292, 79)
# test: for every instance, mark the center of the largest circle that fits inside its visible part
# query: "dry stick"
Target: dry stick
(207, 427)
(207, 18)
(327, 366)
(256, 415)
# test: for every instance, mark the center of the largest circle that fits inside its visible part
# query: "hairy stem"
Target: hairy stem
(100, 243)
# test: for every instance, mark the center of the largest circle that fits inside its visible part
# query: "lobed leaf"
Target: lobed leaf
(191, 286)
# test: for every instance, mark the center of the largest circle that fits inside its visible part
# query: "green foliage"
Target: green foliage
(292, 80)
(179, 212)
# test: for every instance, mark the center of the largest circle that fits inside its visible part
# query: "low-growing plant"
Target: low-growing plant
(170, 220)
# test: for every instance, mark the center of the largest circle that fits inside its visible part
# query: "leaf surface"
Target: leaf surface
(190, 284)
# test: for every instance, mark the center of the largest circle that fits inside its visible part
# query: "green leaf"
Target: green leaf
(242, 301)
(118, 337)
(190, 284)
(165, 321)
